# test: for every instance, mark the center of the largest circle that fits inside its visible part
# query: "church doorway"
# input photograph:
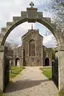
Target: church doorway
(24, 61)
(47, 61)
(17, 61)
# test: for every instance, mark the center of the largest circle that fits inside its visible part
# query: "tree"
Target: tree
(57, 9)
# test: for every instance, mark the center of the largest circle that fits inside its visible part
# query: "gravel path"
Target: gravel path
(31, 82)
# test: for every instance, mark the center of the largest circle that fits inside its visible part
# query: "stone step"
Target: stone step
(47, 19)
(9, 24)
(23, 14)
(40, 15)
(3, 29)
(15, 19)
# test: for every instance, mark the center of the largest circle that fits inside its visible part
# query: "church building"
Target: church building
(32, 52)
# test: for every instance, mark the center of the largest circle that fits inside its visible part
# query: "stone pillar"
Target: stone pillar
(50, 59)
(41, 56)
(1, 67)
(60, 55)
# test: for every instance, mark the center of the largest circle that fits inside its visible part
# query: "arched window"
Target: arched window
(32, 48)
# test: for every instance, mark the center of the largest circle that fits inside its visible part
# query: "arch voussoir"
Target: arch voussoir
(47, 19)
(17, 18)
(9, 24)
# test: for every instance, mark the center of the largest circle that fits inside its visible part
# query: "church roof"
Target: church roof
(29, 32)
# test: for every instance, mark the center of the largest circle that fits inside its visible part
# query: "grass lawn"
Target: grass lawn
(2, 94)
(15, 71)
(61, 93)
(47, 71)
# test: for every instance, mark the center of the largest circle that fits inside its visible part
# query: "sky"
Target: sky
(10, 8)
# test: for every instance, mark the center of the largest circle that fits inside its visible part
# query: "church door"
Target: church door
(47, 62)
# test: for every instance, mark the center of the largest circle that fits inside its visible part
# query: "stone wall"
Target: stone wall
(18, 53)
(1, 69)
(60, 55)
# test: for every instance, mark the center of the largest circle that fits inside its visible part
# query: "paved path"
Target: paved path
(31, 82)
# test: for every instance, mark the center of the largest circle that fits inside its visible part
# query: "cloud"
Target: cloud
(49, 41)
(19, 31)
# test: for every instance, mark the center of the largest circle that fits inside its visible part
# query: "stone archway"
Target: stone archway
(32, 15)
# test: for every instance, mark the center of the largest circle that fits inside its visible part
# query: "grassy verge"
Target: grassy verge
(47, 72)
(15, 71)
(61, 93)
(2, 94)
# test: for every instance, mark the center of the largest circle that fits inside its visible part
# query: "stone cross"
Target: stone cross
(31, 4)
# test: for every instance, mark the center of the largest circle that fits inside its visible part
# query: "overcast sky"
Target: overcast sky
(10, 8)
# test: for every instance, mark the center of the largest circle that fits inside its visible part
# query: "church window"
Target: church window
(32, 48)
